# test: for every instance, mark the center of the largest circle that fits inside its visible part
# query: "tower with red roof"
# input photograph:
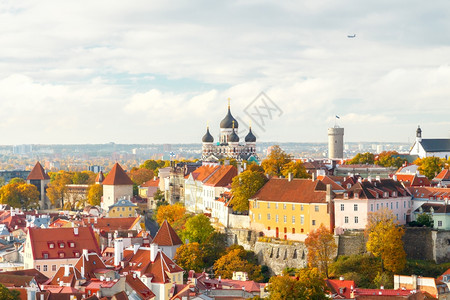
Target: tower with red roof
(117, 185)
(40, 179)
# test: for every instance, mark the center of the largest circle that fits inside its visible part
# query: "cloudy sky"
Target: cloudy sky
(157, 71)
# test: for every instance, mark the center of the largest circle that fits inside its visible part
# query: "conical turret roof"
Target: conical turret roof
(117, 176)
(38, 173)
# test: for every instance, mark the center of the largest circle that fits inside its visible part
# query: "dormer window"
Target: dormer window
(385, 194)
(356, 195)
(61, 244)
(71, 244)
(51, 245)
(61, 255)
(45, 255)
(345, 195)
(394, 194)
(76, 253)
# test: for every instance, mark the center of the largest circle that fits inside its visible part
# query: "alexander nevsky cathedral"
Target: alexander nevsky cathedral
(228, 145)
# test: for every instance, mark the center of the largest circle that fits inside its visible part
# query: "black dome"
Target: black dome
(207, 138)
(418, 132)
(227, 122)
(233, 137)
(250, 138)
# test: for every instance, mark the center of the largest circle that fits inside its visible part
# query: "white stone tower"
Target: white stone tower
(336, 142)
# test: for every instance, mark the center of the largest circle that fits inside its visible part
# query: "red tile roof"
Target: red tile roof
(427, 192)
(222, 176)
(381, 292)
(111, 224)
(91, 263)
(444, 175)
(341, 287)
(413, 180)
(100, 177)
(15, 280)
(151, 182)
(297, 190)
(166, 236)
(334, 185)
(117, 176)
(38, 276)
(141, 289)
(38, 173)
(72, 276)
(48, 242)
(202, 173)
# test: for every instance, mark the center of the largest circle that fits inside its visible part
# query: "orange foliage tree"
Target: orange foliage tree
(171, 213)
(237, 259)
(190, 257)
(321, 249)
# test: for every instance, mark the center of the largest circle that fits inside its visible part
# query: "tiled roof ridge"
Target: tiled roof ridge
(38, 173)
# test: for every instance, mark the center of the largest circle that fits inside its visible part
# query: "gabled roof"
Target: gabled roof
(436, 145)
(72, 276)
(369, 189)
(137, 285)
(438, 208)
(117, 176)
(47, 242)
(167, 236)
(111, 224)
(331, 180)
(38, 173)
(222, 176)
(413, 180)
(15, 280)
(443, 175)
(425, 192)
(91, 262)
(341, 287)
(296, 190)
(38, 276)
(202, 173)
(151, 182)
(100, 177)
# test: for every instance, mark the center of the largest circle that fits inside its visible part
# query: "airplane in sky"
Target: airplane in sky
(351, 36)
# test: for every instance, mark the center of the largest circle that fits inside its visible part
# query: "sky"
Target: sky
(147, 72)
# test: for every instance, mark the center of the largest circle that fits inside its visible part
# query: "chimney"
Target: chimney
(153, 251)
(313, 176)
(118, 251)
(135, 248)
(414, 281)
(66, 270)
(85, 254)
(290, 176)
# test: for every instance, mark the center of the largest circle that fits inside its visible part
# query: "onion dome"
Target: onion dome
(233, 137)
(250, 138)
(207, 138)
(228, 121)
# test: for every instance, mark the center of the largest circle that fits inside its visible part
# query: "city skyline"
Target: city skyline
(157, 72)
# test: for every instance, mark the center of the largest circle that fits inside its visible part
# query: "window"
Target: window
(76, 253)
(439, 223)
(61, 255)
(404, 216)
(293, 207)
(123, 208)
(285, 219)
(293, 219)
(284, 205)
(61, 244)
(313, 222)
(301, 207)
(38, 267)
(377, 206)
(371, 207)
(129, 208)
(71, 244)
(268, 205)
(346, 220)
(392, 205)
(381, 205)
(396, 204)
(54, 268)
(355, 207)
(302, 219)
(51, 245)
(276, 218)
(45, 268)
(356, 220)
(356, 195)
(45, 255)
(268, 216)
(316, 207)
(342, 207)
(259, 216)
(404, 204)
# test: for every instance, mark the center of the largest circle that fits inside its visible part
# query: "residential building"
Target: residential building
(340, 288)
(122, 208)
(440, 212)
(435, 195)
(442, 179)
(433, 286)
(291, 208)
(213, 187)
(117, 185)
(48, 249)
(193, 192)
(368, 196)
(40, 179)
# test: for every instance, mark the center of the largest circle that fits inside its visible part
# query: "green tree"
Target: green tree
(362, 268)
(7, 294)
(214, 247)
(321, 249)
(388, 159)
(197, 229)
(275, 161)
(425, 219)
(81, 177)
(385, 240)
(17, 180)
(297, 169)
(430, 166)
(95, 194)
(244, 186)
(190, 257)
(362, 158)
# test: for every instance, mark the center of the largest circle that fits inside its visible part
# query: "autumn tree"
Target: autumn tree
(84, 177)
(297, 169)
(139, 176)
(255, 168)
(214, 247)
(430, 166)
(171, 213)
(308, 284)
(275, 161)
(20, 195)
(57, 187)
(244, 186)
(321, 249)
(362, 158)
(388, 159)
(385, 240)
(95, 193)
(197, 229)
(237, 259)
(7, 294)
(190, 257)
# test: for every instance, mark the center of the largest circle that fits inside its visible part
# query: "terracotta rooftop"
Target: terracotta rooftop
(443, 175)
(111, 224)
(10, 280)
(151, 182)
(341, 287)
(166, 236)
(100, 177)
(38, 276)
(202, 173)
(57, 243)
(137, 285)
(91, 263)
(38, 173)
(117, 176)
(297, 190)
(222, 177)
(60, 276)
(426, 192)
(413, 180)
